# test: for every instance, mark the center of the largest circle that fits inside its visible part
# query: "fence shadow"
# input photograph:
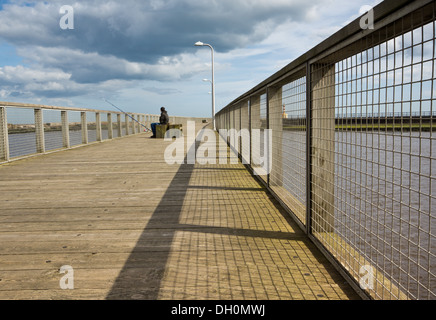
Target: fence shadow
(142, 273)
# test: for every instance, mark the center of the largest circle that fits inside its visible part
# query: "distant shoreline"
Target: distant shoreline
(407, 127)
(55, 128)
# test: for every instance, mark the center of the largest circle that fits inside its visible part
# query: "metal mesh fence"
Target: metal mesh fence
(75, 128)
(21, 132)
(52, 130)
(259, 125)
(104, 126)
(383, 204)
(293, 147)
(368, 190)
(27, 130)
(91, 126)
(245, 133)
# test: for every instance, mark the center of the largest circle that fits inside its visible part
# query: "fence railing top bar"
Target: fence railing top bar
(382, 10)
(40, 106)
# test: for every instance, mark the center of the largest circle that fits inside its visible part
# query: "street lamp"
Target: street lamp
(207, 80)
(201, 44)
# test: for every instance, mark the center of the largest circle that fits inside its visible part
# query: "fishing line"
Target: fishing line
(147, 129)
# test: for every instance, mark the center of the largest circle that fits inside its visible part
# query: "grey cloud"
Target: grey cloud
(162, 91)
(143, 31)
(94, 68)
(131, 40)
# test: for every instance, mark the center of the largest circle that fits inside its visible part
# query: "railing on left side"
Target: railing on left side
(31, 129)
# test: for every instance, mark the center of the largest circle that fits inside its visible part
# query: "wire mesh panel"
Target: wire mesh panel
(27, 129)
(92, 126)
(236, 138)
(21, 129)
(378, 209)
(258, 126)
(245, 133)
(368, 195)
(229, 120)
(275, 124)
(104, 126)
(52, 130)
(232, 126)
(293, 116)
(4, 141)
(75, 128)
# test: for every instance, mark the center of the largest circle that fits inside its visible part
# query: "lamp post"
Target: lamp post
(201, 44)
(207, 80)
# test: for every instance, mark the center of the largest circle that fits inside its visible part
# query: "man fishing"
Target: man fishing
(146, 129)
(163, 119)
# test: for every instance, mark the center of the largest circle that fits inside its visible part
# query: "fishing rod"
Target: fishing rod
(148, 129)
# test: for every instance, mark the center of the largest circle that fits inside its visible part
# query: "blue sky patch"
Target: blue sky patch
(8, 55)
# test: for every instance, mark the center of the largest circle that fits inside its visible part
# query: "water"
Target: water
(385, 205)
(22, 144)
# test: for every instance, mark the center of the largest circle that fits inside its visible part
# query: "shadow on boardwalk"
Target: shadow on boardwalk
(142, 273)
(216, 259)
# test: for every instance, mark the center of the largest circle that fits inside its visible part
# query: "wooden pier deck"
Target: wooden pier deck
(133, 227)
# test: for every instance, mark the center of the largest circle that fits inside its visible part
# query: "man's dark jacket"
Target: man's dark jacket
(164, 119)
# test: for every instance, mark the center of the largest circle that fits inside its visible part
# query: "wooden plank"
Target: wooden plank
(133, 227)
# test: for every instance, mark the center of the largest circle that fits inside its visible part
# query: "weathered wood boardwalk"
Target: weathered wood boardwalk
(134, 227)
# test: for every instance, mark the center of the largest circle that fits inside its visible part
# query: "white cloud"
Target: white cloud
(143, 50)
(20, 74)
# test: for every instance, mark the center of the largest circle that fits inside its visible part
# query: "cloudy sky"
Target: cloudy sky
(140, 55)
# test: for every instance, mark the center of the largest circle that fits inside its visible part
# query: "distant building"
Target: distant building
(284, 115)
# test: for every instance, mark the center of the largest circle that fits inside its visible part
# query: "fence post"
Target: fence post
(308, 149)
(98, 126)
(110, 133)
(245, 133)
(323, 147)
(126, 117)
(65, 129)
(250, 146)
(39, 131)
(4, 139)
(138, 124)
(135, 124)
(119, 125)
(232, 125)
(255, 124)
(274, 100)
(84, 124)
(237, 128)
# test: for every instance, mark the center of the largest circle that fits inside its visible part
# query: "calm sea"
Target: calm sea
(385, 200)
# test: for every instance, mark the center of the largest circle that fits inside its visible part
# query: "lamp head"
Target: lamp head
(199, 43)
